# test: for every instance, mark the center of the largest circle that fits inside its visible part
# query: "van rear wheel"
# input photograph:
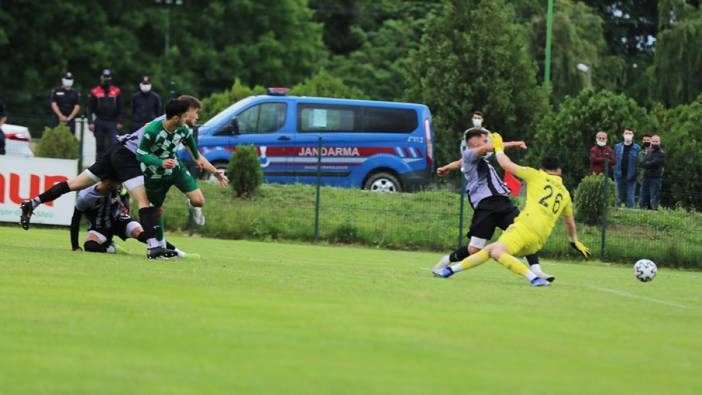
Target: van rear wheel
(383, 182)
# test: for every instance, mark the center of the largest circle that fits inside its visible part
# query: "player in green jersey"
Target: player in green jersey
(161, 168)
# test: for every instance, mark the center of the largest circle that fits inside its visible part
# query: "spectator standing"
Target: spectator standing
(653, 164)
(601, 153)
(146, 104)
(104, 112)
(645, 147)
(65, 103)
(3, 118)
(626, 156)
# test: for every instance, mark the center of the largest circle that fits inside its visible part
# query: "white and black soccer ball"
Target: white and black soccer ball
(645, 270)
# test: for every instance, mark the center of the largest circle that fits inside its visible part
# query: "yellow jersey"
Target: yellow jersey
(546, 200)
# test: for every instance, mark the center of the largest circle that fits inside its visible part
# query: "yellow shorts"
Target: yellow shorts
(520, 240)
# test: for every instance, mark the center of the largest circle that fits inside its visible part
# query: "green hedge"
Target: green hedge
(422, 221)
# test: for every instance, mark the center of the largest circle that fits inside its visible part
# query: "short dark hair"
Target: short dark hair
(646, 135)
(629, 129)
(193, 102)
(550, 163)
(472, 132)
(176, 107)
(478, 112)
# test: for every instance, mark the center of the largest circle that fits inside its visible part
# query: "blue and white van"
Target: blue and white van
(380, 146)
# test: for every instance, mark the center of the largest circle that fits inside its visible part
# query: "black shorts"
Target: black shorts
(118, 164)
(493, 212)
(119, 228)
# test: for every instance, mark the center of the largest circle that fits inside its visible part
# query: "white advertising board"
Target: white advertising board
(23, 178)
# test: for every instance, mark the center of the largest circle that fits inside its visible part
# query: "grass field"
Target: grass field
(270, 318)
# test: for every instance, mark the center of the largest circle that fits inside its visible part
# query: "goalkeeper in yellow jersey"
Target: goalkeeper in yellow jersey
(547, 199)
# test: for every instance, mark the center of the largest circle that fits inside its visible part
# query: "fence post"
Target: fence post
(319, 175)
(605, 193)
(461, 213)
(80, 144)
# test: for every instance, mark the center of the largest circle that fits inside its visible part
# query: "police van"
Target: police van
(379, 146)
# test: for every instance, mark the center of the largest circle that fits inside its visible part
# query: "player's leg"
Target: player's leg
(88, 177)
(507, 219)
(129, 171)
(511, 243)
(96, 241)
(196, 200)
(481, 229)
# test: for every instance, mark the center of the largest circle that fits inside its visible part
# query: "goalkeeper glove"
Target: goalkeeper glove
(581, 248)
(497, 144)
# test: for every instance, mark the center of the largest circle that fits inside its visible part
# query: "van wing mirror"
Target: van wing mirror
(231, 128)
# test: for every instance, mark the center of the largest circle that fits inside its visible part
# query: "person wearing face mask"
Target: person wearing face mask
(146, 104)
(599, 153)
(64, 103)
(626, 156)
(104, 112)
(652, 164)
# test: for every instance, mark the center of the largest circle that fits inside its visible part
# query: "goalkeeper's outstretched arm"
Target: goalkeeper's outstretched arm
(502, 158)
(573, 237)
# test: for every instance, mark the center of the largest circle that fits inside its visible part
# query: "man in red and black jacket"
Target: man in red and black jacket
(104, 112)
(599, 152)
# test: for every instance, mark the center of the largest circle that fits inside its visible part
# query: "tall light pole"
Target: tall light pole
(170, 85)
(582, 67)
(549, 30)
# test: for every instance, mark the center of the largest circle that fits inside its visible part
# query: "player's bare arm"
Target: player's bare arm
(455, 165)
(502, 158)
(203, 164)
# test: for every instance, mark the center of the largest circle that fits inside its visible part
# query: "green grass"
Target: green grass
(423, 221)
(273, 318)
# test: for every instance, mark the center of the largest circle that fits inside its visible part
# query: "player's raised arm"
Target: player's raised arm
(502, 158)
(455, 165)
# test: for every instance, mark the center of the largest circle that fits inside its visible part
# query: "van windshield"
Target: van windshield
(227, 114)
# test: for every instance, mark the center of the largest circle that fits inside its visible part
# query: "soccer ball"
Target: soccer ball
(645, 270)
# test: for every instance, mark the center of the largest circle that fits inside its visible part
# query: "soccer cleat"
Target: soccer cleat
(180, 253)
(539, 282)
(27, 209)
(197, 214)
(443, 262)
(548, 277)
(160, 253)
(112, 248)
(443, 273)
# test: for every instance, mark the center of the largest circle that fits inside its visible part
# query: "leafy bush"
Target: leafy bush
(570, 133)
(244, 171)
(57, 143)
(589, 199)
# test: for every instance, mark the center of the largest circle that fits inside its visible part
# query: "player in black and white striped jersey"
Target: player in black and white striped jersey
(106, 205)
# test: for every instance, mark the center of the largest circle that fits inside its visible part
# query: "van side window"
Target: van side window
(262, 118)
(362, 119)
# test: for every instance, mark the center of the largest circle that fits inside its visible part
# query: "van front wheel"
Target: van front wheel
(382, 182)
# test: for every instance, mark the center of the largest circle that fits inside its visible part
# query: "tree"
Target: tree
(680, 131)
(472, 56)
(266, 42)
(324, 84)
(577, 38)
(570, 133)
(678, 59)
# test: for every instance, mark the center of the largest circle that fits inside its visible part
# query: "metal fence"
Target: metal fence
(434, 219)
